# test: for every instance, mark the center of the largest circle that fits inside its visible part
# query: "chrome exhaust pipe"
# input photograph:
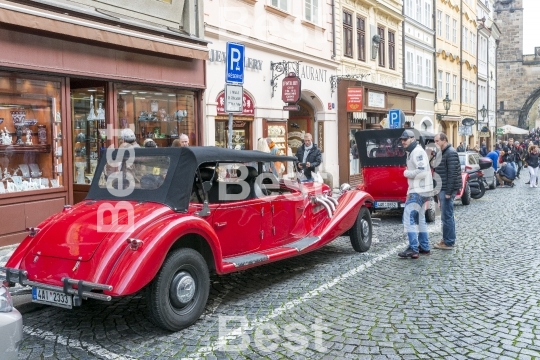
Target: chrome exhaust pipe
(332, 200)
(330, 203)
(328, 210)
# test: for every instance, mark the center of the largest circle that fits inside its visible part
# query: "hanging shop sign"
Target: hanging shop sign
(355, 98)
(376, 99)
(291, 89)
(247, 109)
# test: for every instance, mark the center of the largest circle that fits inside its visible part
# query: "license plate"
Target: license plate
(50, 297)
(386, 204)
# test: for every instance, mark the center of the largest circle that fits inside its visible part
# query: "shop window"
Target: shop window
(89, 131)
(241, 134)
(30, 135)
(347, 34)
(353, 154)
(160, 114)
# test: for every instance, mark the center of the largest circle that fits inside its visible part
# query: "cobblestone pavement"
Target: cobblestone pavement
(478, 301)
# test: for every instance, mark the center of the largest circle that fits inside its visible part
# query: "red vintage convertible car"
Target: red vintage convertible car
(163, 219)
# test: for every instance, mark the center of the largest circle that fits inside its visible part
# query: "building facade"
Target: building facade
(369, 48)
(419, 59)
(73, 74)
(280, 37)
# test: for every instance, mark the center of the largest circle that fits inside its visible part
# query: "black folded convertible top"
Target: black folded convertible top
(176, 188)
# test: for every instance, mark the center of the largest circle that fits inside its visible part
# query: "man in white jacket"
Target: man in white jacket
(420, 180)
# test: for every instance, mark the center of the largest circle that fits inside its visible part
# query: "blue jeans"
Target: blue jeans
(447, 218)
(414, 214)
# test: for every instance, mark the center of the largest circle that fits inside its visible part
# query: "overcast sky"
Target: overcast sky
(531, 25)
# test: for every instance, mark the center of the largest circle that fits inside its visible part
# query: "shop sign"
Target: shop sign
(291, 107)
(291, 89)
(233, 98)
(483, 134)
(375, 99)
(320, 135)
(311, 73)
(247, 108)
(355, 97)
(238, 124)
(465, 130)
(221, 56)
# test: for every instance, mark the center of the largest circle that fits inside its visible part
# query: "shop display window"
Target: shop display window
(89, 128)
(156, 113)
(30, 134)
(277, 131)
(241, 134)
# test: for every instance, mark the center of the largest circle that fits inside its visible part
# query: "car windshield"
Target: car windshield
(145, 172)
(462, 159)
(387, 147)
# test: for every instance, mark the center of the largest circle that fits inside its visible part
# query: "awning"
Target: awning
(66, 25)
(509, 129)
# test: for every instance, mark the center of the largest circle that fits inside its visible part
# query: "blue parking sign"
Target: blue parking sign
(396, 118)
(234, 71)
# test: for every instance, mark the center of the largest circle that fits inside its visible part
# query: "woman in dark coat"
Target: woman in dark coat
(532, 164)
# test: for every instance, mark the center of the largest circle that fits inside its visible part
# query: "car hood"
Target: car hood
(78, 231)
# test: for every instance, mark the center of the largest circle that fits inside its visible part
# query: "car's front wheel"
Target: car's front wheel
(362, 231)
(178, 293)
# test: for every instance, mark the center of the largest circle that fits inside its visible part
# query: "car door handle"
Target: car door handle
(220, 224)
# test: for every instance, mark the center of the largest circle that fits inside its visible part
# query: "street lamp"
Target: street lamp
(483, 112)
(447, 102)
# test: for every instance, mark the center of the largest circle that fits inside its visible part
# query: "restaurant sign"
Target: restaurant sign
(291, 89)
(355, 98)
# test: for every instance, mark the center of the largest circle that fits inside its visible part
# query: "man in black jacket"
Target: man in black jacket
(309, 157)
(448, 181)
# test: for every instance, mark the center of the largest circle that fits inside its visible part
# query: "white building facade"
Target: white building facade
(419, 58)
(280, 36)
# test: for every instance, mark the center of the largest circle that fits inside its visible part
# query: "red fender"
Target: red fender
(136, 268)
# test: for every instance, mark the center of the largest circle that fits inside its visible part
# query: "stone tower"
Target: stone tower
(509, 18)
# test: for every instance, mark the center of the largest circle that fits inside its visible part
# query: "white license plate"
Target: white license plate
(386, 204)
(50, 297)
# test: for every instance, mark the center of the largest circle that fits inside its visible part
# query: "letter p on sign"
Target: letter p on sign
(234, 72)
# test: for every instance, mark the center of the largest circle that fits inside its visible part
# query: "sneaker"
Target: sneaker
(528, 182)
(441, 245)
(424, 252)
(408, 253)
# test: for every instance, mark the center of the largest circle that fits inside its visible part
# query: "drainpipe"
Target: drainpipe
(333, 30)
(403, 46)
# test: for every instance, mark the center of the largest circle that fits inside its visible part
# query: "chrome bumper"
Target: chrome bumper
(83, 291)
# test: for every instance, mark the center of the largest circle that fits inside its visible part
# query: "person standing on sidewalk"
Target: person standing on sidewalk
(418, 174)
(531, 160)
(448, 182)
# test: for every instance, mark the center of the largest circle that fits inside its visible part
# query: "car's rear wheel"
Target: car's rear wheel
(178, 293)
(493, 184)
(430, 211)
(466, 197)
(362, 231)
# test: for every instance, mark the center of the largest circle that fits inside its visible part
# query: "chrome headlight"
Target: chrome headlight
(344, 188)
(6, 302)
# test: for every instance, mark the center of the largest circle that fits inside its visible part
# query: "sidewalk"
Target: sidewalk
(22, 297)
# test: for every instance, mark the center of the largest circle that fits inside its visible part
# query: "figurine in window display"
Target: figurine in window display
(6, 137)
(91, 114)
(28, 137)
(19, 133)
(100, 112)
(58, 117)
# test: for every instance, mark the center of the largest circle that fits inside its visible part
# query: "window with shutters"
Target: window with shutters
(380, 31)
(391, 50)
(347, 34)
(361, 38)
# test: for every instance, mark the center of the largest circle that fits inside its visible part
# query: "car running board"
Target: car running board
(303, 243)
(245, 260)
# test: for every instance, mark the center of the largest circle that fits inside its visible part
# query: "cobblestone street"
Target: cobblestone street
(480, 300)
